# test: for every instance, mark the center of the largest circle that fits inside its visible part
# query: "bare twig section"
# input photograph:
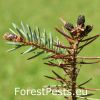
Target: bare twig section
(88, 62)
(70, 40)
(61, 56)
(79, 57)
(88, 42)
(62, 46)
(90, 38)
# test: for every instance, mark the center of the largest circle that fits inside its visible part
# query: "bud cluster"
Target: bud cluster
(80, 30)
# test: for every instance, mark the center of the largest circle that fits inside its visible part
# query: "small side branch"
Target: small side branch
(88, 57)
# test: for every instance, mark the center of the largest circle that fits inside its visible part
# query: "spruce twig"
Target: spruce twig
(68, 56)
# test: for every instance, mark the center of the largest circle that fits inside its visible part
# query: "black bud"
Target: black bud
(88, 29)
(69, 26)
(81, 20)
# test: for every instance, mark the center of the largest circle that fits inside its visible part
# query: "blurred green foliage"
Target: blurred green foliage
(16, 71)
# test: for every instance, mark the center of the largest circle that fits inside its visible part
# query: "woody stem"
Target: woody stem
(74, 72)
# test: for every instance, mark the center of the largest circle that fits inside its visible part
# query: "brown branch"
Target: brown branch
(90, 38)
(70, 40)
(61, 56)
(64, 66)
(62, 46)
(88, 62)
(81, 47)
(88, 57)
(88, 42)
(40, 47)
(70, 57)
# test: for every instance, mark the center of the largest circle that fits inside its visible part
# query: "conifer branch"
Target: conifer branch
(58, 54)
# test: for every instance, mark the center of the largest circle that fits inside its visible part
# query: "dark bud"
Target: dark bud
(88, 29)
(81, 20)
(69, 26)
